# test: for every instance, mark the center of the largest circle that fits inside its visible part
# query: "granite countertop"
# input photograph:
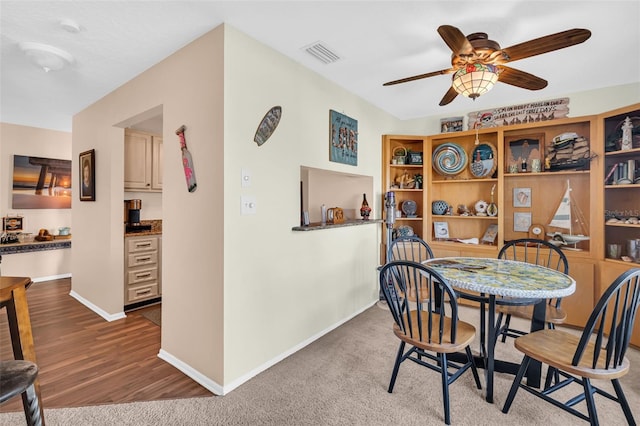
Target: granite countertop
(156, 229)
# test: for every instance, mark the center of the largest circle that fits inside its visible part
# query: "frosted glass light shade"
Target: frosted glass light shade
(475, 79)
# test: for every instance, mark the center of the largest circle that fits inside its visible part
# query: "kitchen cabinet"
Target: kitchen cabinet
(143, 161)
(142, 276)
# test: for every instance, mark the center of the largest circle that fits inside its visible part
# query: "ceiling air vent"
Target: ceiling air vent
(322, 53)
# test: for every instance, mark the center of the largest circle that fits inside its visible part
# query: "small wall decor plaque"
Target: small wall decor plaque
(521, 222)
(268, 125)
(521, 197)
(343, 139)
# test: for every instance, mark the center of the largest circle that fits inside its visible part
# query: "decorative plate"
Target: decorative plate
(484, 160)
(404, 231)
(268, 125)
(449, 159)
(409, 208)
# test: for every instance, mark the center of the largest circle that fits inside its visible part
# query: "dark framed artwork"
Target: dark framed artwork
(343, 143)
(521, 150)
(88, 175)
(41, 183)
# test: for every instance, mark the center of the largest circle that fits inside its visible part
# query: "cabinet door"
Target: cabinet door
(156, 163)
(137, 158)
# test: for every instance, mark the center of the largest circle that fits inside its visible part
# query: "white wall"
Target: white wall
(31, 141)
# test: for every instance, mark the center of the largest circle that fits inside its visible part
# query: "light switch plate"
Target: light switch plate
(247, 204)
(245, 178)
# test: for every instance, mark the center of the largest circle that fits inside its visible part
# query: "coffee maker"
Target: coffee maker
(132, 216)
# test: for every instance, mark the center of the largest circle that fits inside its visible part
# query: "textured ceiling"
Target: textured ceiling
(378, 41)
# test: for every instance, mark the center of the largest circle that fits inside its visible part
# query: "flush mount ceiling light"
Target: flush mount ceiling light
(46, 57)
(475, 79)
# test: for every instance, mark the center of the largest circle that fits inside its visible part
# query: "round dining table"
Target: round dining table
(494, 281)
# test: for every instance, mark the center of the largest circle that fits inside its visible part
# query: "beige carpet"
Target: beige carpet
(342, 379)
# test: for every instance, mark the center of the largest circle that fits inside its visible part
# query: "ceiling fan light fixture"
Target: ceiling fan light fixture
(474, 80)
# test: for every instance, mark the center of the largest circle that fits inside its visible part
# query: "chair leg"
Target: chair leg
(499, 323)
(591, 405)
(516, 384)
(32, 409)
(445, 387)
(623, 402)
(396, 367)
(474, 370)
(507, 322)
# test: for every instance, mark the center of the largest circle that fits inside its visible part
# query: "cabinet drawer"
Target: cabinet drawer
(139, 259)
(135, 245)
(142, 292)
(142, 275)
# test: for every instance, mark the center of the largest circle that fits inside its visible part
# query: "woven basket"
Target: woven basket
(399, 155)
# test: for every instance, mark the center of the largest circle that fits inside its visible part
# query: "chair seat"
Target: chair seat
(557, 348)
(465, 334)
(552, 315)
(15, 377)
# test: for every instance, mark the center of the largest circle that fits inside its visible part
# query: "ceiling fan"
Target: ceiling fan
(477, 63)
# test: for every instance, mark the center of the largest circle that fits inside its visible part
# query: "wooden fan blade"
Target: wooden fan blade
(449, 96)
(521, 79)
(545, 44)
(456, 41)
(418, 77)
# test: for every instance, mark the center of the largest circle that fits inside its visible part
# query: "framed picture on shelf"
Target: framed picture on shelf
(441, 230)
(451, 124)
(522, 150)
(490, 234)
(521, 222)
(521, 197)
(88, 175)
(12, 224)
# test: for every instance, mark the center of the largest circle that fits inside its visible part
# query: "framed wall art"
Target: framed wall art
(88, 175)
(41, 183)
(521, 222)
(343, 139)
(521, 197)
(521, 150)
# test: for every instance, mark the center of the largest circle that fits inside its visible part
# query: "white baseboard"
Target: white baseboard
(50, 278)
(191, 372)
(107, 316)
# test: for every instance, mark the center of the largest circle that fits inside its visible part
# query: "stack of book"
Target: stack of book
(623, 173)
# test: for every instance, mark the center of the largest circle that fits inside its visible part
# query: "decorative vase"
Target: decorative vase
(365, 210)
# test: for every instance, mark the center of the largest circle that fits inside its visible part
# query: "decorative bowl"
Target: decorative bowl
(439, 207)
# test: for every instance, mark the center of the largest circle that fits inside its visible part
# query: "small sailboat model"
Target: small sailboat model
(568, 217)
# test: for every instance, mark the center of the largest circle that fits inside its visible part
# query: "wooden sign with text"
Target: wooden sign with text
(532, 112)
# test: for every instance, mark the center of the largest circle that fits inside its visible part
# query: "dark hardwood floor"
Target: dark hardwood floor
(85, 360)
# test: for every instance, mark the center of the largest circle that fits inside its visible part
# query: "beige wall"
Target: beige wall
(31, 141)
(232, 282)
(192, 222)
